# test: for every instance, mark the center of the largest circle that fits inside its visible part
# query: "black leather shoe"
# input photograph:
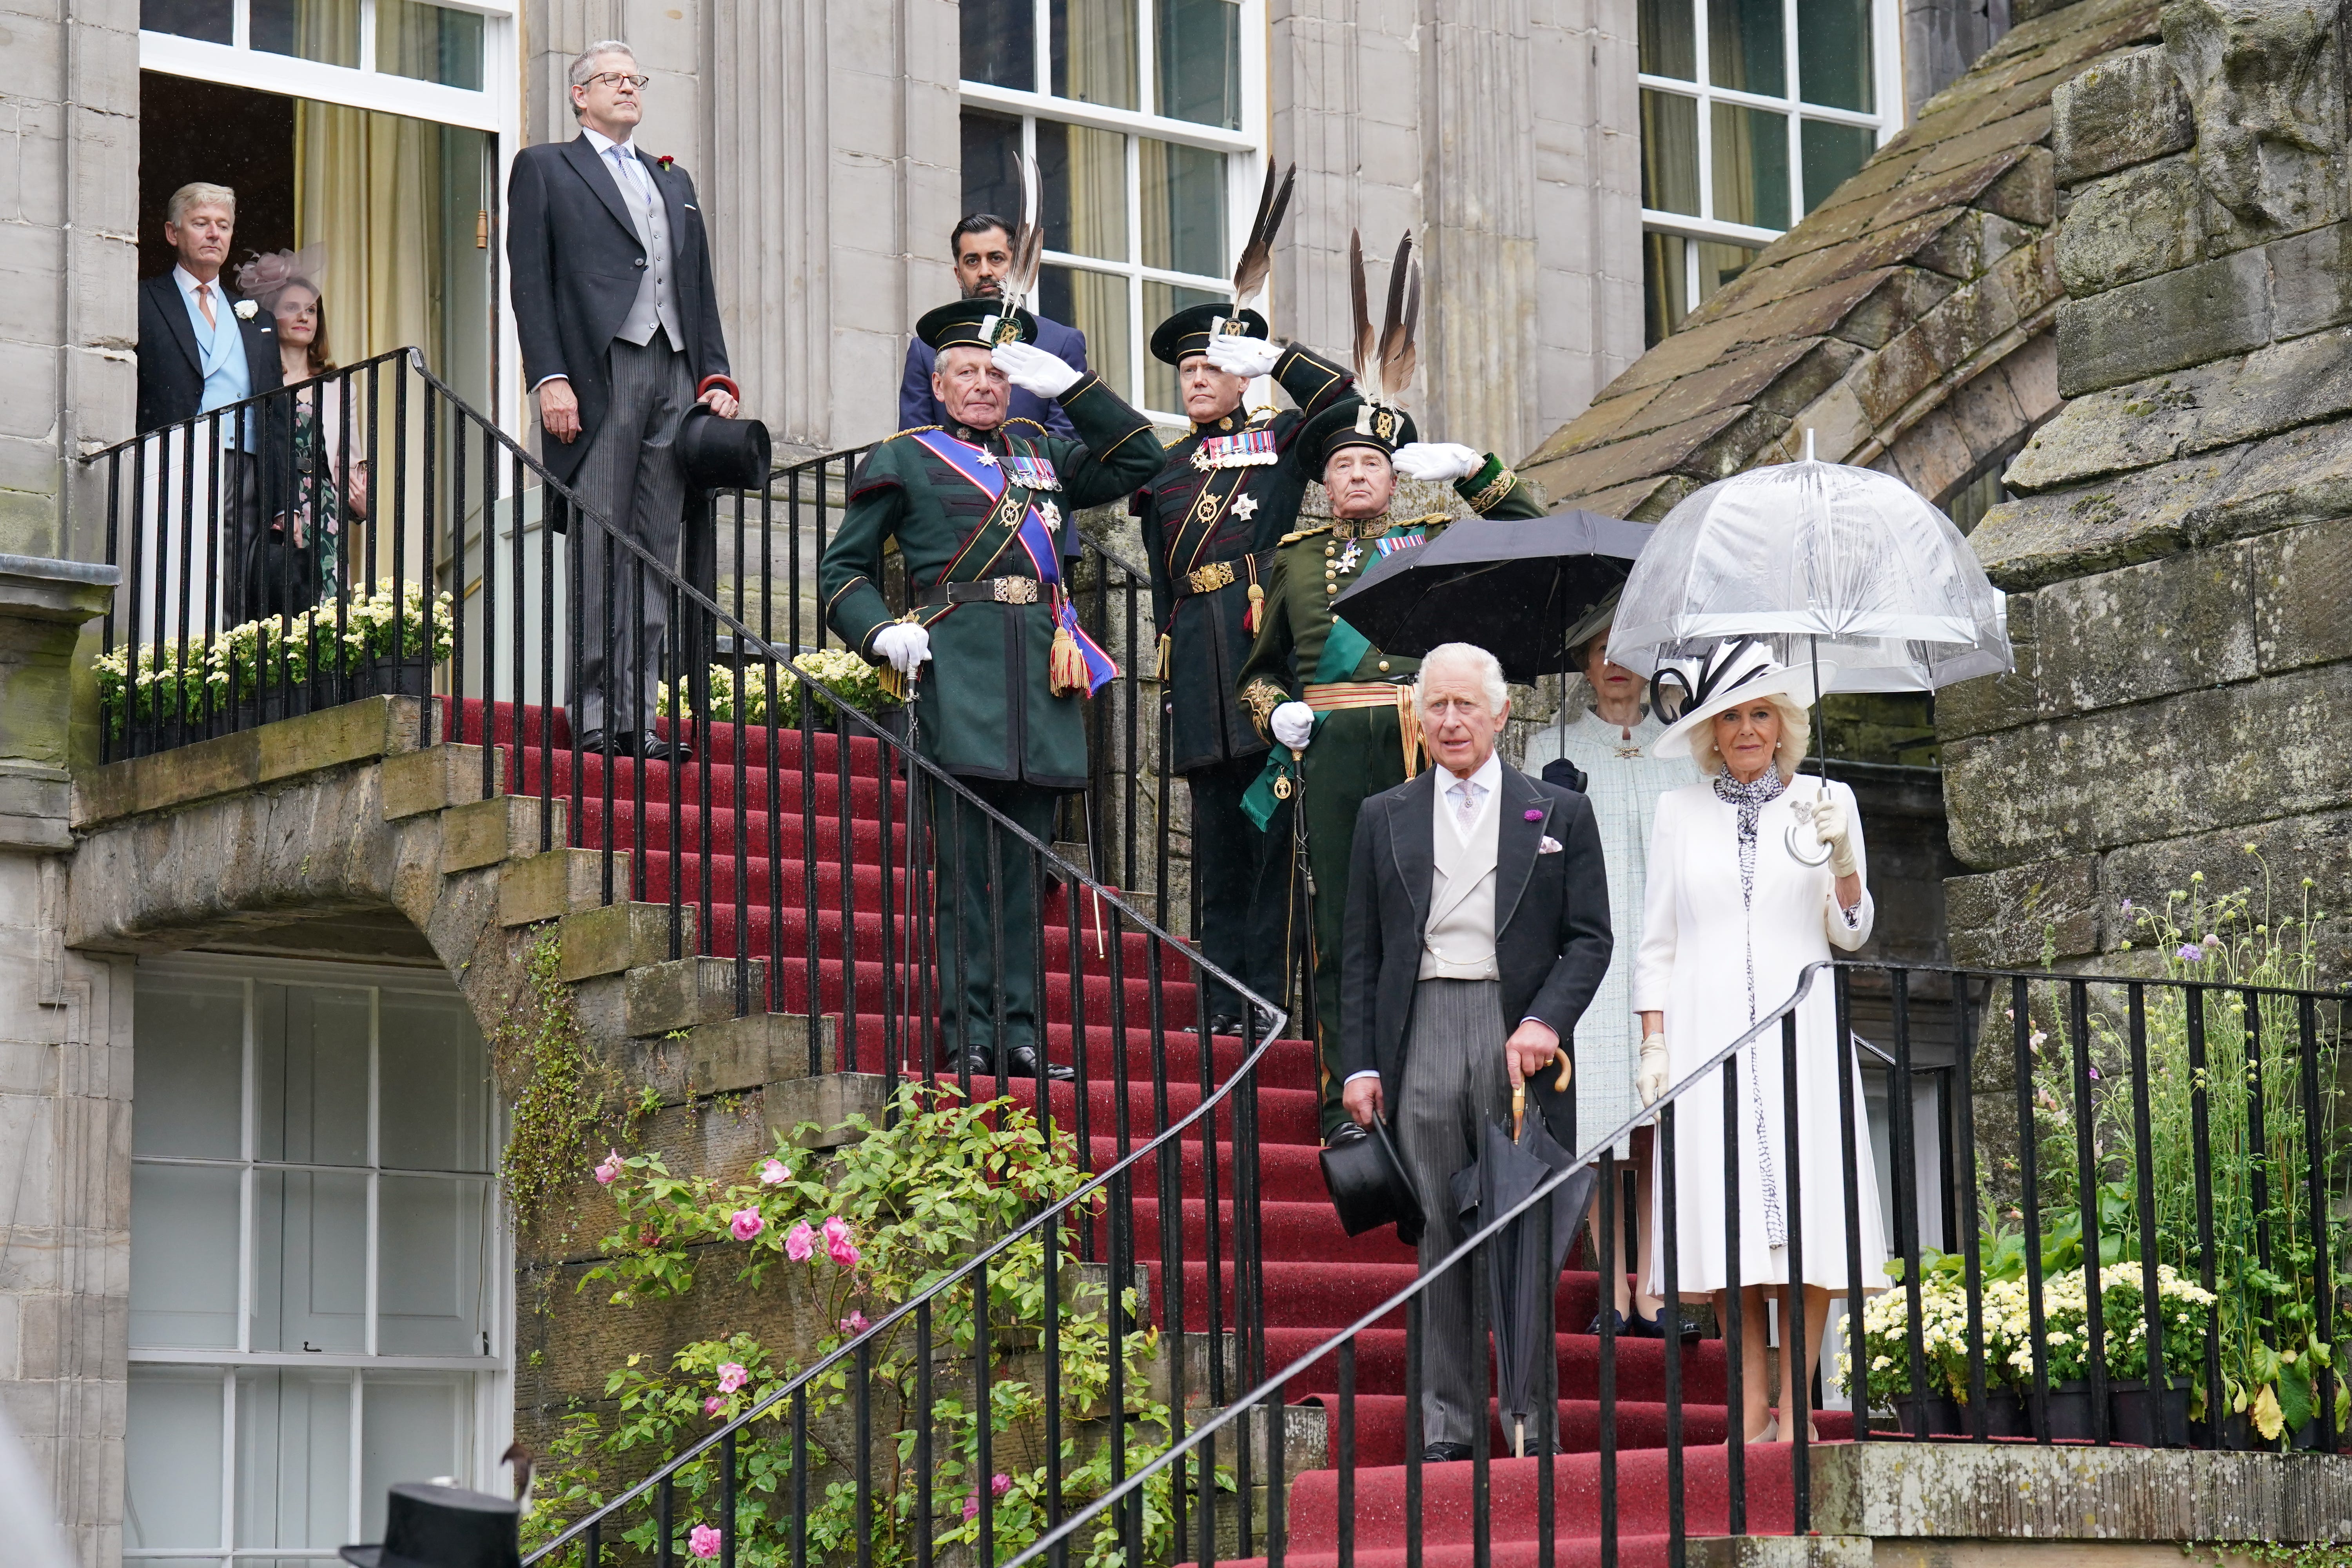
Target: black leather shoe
(1225, 1022)
(595, 740)
(1022, 1060)
(977, 1063)
(1446, 1453)
(654, 749)
(1346, 1133)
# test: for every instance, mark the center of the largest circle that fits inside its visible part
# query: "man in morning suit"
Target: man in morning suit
(981, 246)
(1477, 932)
(978, 509)
(618, 315)
(1210, 519)
(201, 348)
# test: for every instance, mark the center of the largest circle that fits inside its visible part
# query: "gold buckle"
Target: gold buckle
(1015, 590)
(1215, 575)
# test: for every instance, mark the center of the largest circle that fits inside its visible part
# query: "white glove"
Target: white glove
(1833, 826)
(1031, 369)
(1650, 1074)
(1437, 461)
(904, 644)
(1248, 358)
(1293, 724)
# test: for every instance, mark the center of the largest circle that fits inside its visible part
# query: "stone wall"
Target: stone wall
(2179, 549)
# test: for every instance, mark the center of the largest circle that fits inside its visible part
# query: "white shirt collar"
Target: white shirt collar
(189, 283)
(605, 145)
(1488, 776)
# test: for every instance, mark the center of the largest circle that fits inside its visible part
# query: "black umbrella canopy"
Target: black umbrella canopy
(1515, 589)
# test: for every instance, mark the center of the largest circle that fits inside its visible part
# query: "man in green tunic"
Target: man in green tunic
(1210, 519)
(1338, 710)
(979, 509)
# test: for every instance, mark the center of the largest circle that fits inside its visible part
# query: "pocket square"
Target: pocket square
(1548, 846)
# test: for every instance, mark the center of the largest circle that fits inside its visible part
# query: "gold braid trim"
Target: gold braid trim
(912, 430)
(1263, 696)
(1302, 533)
(1495, 491)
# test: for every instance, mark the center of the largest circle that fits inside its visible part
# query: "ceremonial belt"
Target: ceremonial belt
(1008, 589)
(1334, 697)
(1216, 574)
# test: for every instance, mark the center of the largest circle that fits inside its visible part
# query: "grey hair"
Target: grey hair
(199, 194)
(1796, 735)
(1491, 684)
(583, 63)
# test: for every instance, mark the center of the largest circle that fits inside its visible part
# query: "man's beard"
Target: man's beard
(986, 288)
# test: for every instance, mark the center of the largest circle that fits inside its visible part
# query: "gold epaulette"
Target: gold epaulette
(1427, 517)
(1302, 533)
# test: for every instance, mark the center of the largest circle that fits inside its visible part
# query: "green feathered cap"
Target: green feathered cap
(1354, 422)
(1188, 331)
(979, 323)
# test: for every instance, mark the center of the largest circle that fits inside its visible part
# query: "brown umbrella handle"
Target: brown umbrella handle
(1520, 1089)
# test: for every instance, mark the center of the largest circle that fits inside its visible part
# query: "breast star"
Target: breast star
(1245, 507)
(1051, 515)
(988, 459)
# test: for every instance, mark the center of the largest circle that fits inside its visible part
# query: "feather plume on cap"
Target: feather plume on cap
(1385, 361)
(1256, 263)
(1020, 286)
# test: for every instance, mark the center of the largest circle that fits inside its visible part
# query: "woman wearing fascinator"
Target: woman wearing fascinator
(300, 558)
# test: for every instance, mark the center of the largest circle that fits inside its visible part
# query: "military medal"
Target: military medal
(1350, 556)
(1050, 515)
(1242, 449)
(1282, 786)
(1245, 507)
(1033, 473)
(1391, 544)
(987, 459)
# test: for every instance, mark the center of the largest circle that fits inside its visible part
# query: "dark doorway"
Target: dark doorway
(232, 136)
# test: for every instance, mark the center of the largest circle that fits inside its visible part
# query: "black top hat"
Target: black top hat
(722, 454)
(982, 322)
(428, 1526)
(1188, 331)
(1355, 422)
(1368, 1186)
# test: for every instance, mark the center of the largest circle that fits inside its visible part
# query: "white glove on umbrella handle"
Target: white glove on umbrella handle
(904, 645)
(1247, 357)
(1033, 370)
(1293, 724)
(1833, 828)
(1652, 1073)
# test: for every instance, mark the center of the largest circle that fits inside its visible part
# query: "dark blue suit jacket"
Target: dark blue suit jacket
(918, 406)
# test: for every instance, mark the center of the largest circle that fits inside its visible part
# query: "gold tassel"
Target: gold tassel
(1256, 614)
(893, 684)
(1165, 643)
(1066, 671)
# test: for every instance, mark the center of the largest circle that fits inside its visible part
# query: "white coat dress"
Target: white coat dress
(1699, 941)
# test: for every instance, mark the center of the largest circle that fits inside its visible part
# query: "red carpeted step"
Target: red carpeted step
(1380, 1365)
(1640, 1424)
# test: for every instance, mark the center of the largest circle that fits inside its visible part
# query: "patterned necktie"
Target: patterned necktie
(1467, 793)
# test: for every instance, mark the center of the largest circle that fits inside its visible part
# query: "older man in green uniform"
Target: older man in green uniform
(1338, 710)
(1210, 519)
(979, 509)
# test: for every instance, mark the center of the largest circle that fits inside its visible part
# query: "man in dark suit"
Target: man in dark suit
(201, 348)
(1477, 931)
(618, 315)
(981, 246)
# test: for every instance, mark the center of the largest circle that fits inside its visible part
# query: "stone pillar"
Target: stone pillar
(65, 1087)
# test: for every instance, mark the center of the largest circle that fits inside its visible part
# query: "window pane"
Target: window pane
(1200, 55)
(1744, 46)
(412, 1426)
(430, 1295)
(1832, 153)
(1669, 40)
(171, 1458)
(309, 1255)
(310, 1075)
(214, 21)
(293, 1457)
(190, 1068)
(1095, 303)
(991, 179)
(184, 1256)
(430, 43)
(1718, 264)
(1751, 166)
(1094, 51)
(1670, 153)
(1666, 285)
(1161, 300)
(434, 1112)
(1084, 172)
(327, 31)
(1000, 42)
(1833, 54)
(1183, 207)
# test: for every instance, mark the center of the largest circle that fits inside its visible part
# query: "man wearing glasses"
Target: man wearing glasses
(618, 315)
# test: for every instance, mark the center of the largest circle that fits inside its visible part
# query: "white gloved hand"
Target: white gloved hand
(1248, 358)
(1293, 724)
(1437, 461)
(904, 644)
(1650, 1074)
(1833, 826)
(1031, 369)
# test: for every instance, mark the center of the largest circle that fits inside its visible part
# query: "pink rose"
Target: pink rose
(703, 1541)
(971, 1505)
(799, 1242)
(1000, 1484)
(772, 1173)
(843, 1254)
(836, 1230)
(746, 1224)
(712, 1406)
(609, 1169)
(854, 1323)
(731, 1376)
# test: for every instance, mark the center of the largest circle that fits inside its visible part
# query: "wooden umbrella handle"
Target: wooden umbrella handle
(1520, 1089)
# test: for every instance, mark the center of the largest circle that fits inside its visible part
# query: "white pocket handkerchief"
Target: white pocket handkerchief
(1548, 846)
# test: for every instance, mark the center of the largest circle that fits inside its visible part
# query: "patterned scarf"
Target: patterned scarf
(1750, 799)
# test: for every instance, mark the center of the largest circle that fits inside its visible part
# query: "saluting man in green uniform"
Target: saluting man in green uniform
(980, 508)
(1338, 710)
(1210, 519)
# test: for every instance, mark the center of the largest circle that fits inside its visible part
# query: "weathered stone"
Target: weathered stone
(613, 939)
(2311, 280)
(2130, 225)
(437, 776)
(2039, 538)
(2027, 194)
(1996, 701)
(2230, 755)
(2265, 82)
(2302, 581)
(504, 827)
(2123, 110)
(356, 732)
(2284, 851)
(759, 1048)
(2302, 476)
(1778, 1552)
(2008, 920)
(2166, 626)
(678, 996)
(814, 1110)
(548, 887)
(1975, 241)
(2181, 318)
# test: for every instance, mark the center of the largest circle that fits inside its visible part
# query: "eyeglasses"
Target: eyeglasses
(616, 78)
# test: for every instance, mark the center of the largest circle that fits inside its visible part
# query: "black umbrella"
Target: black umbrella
(1522, 1269)
(1516, 589)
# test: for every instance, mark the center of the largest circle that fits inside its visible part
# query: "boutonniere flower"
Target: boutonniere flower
(1532, 815)
(1547, 845)
(246, 310)
(666, 160)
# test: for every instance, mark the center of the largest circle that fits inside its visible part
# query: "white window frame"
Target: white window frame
(1887, 80)
(493, 1392)
(1245, 162)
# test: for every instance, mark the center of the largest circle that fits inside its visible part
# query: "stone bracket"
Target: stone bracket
(1779, 1551)
(759, 1049)
(437, 777)
(662, 998)
(613, 938)
(558, 883)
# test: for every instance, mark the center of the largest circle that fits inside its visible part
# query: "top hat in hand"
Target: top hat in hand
(1368, 1186)
(722, 454)
(428, 1526)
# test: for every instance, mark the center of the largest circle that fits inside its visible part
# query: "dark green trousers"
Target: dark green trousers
(1355, 754)
(1245, 878)
(987, 929)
